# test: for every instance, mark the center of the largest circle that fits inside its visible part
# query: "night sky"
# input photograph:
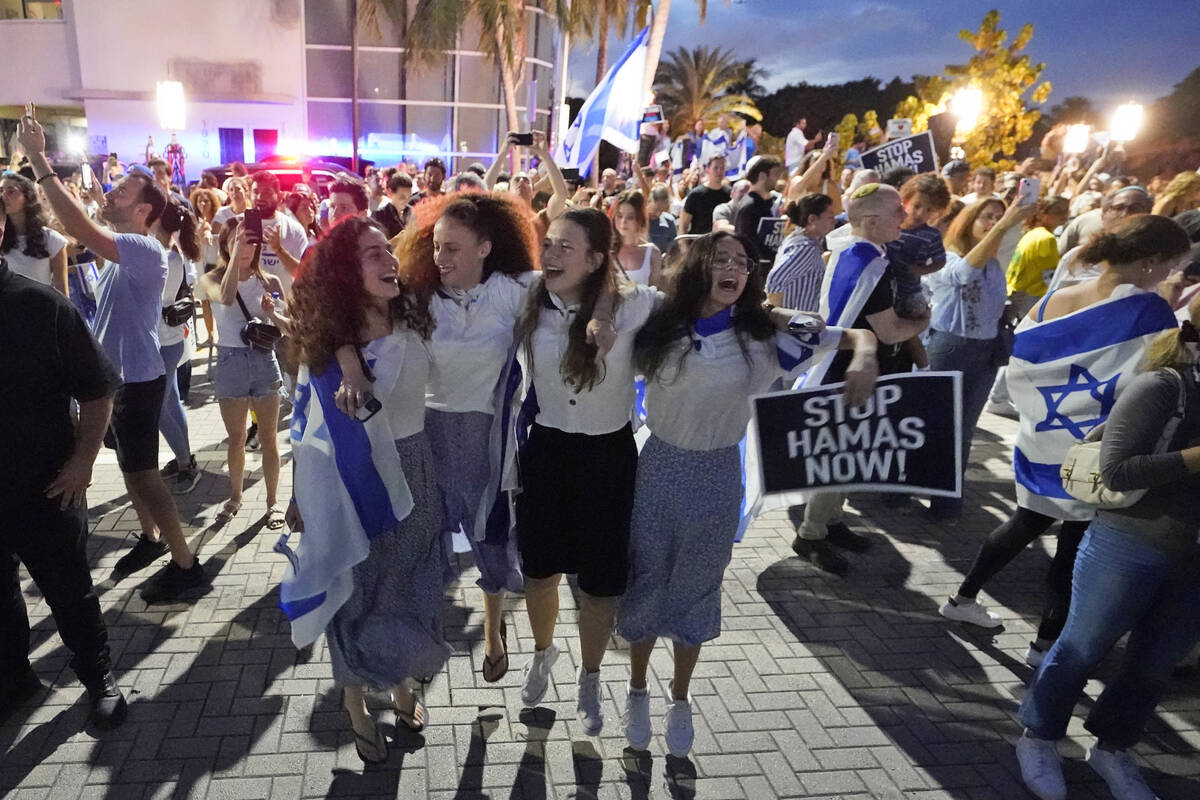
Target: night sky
(1108, 50)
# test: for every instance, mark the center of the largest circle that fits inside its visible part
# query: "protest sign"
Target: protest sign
(768, 237)
(915, 152)
(907, 437)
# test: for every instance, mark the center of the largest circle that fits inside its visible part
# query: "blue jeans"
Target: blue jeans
(172, 422)
(1120, 585)
(973, 358)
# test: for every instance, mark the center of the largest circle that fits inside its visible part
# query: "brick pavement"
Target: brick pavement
(818, 687)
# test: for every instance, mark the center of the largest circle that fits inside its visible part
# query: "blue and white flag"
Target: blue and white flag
(612, 112)
(350, 488)
(853, 273)
(1064, 377)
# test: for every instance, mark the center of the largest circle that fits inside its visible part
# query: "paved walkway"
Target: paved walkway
(818, 687)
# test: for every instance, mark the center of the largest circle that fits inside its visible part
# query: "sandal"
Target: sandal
(227, 512)
(496, 668)
(409, 717)
(275, 518)
(378, 746)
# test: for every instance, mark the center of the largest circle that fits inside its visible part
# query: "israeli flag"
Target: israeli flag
(1064, 377)
(853, 273)
(612, 112)
(350, 488)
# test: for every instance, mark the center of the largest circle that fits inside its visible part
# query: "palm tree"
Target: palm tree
(702, 83)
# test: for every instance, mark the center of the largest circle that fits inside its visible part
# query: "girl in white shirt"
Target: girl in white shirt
(31, 247)
(637, 257)
(709, 348)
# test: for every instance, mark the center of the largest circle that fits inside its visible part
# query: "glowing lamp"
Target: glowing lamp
(169, 99)
(1126, 121)
(967, 105)
(1076, 140)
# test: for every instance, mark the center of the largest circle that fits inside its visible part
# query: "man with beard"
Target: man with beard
(284, 239)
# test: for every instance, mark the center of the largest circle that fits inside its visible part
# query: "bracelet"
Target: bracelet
(45, 177)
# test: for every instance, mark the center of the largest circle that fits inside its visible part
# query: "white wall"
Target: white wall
(39, 64)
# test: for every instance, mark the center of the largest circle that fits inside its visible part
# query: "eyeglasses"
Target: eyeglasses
(1123, 208)
(732, 264)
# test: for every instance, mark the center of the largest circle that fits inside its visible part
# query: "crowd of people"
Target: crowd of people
(466, 354)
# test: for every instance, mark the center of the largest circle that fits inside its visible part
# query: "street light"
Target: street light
(967, 105)
(1126, 122)
(169, 99)
(1076, 140)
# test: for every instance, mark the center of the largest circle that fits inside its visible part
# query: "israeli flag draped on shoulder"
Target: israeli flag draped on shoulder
(853, 273)
(1064, 377)
(349, 486)
(612, 112)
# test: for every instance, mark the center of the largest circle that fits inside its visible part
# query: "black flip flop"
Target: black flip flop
(491, 667)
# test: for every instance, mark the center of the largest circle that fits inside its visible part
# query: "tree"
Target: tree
(1004, 75)
(825, 105)
(700, 84)
(1178, 114)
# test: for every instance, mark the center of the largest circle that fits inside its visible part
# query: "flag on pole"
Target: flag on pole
(613, 111)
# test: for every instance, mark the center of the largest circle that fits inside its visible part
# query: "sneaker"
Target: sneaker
(252, 443)
(107, 702)
(171, 469)
(537, 676)
(185, 479)
(680, 733)
(16, 691)
(1002, 409)
(1041, 768)
(637, 718)
(971, 613)
(1035, 655)
(588, 705)
(1122, 775)
(172, 582)
(143, 554)
(839, 534)
(822, 554)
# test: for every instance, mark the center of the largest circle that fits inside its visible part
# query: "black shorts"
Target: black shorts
(575, 505)
(133, 431)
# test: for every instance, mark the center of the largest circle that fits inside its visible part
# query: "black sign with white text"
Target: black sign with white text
(915, 152)
(768, 238)
(905, 438)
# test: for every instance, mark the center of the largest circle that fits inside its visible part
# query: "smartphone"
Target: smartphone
(368, 409)
(253, 223)
(522, 139)
(832, 141)
(571, 174)
(1028, 190)
(85, 175)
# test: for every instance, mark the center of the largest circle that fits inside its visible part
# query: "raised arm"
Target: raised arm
(989, 245)
(497, 166)
(557, 204)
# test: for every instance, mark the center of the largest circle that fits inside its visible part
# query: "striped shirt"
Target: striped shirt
(797, 273)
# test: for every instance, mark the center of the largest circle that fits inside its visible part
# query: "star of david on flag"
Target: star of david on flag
(1078, 381)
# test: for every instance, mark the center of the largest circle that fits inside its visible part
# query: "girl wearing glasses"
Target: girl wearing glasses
(30, 247)
(705, 351)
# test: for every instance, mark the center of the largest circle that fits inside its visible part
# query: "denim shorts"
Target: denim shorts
(246, 372)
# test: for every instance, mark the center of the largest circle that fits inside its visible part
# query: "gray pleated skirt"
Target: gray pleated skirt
(686, 510)
(391, 627)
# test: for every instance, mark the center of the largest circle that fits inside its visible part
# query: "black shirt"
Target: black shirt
(747, 214)
(47, 357)
(892, 358)
(700, 203)
(391, 219)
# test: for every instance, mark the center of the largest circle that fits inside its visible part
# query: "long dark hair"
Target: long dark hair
(292, 202)
(35, 221)
(669, 328)
(578, 366)
(328, 300)
(1137, 238)
(178, 218)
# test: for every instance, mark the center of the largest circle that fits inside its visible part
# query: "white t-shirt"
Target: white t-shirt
(703, 403)
(794, 148)
(608, 405)
(294, 239)
(178, 269)
(404, 401)
(37, 269)
(230, 320)
(471, 341)
(224, 214)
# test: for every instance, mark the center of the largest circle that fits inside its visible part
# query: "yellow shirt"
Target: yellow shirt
(1034, 260)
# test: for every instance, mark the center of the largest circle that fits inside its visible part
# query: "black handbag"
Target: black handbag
(183, 308)
(257, 333)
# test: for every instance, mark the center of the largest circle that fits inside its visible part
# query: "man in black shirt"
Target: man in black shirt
(48, 358)
(697, 216)
(757, 205)
(396, 213)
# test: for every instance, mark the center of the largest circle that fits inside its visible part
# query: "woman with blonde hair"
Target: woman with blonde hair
(1181, 194)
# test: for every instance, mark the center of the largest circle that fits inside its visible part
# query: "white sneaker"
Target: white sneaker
(1035, 655)
(680, 733)
(588, 705)
(1002, 409)
(537, 676)
(1123, 777)
(972, 613)
(637, 718)
(1041, 768)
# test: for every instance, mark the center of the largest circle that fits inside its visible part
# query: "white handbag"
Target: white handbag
(1080, 470)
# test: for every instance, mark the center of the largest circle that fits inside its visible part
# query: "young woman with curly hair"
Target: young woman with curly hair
(30, 246)
(473, 257)
(388, 629)
(705, 352)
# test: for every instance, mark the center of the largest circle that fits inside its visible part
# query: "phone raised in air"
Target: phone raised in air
(522, 139)
(252, 220)
(85, 175)
(571, 174)
(1028, 191)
